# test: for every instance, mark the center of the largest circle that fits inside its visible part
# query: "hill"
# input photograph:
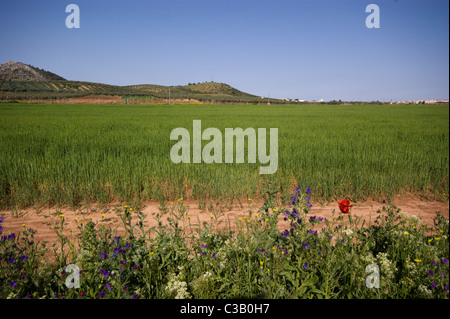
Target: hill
(25, 72)
(20, 81)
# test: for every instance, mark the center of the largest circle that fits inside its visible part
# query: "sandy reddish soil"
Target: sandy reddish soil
(43, 220)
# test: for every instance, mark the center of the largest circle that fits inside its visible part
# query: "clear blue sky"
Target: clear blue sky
(286, 48)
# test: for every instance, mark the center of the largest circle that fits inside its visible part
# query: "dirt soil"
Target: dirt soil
(43, 220)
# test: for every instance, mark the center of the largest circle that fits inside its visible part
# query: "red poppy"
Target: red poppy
(344, 206)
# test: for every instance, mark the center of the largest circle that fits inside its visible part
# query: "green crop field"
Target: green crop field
(71, 154)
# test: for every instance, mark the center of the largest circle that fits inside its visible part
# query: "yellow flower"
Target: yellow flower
(156, 247)
(430, 240)
(261, 263)
(72, 243)
(70, 230)
(406, 233)
(189, 217)
(282, 252)
(248, 221)
(125, 206)
(257, 215)
(211, 216)
(418, 260)
(441, 231)
(275, 210)
(103, 215)
(414, 227)
(424, 225)
(90, 218)
(406, 261)
(266, 220)
(180, 199)
(437, 238)
(131, 208)
(273, 248)
(76, 219)
(249, 199)
(71, 251)
(61, 215)
(240, 219)
(151, 253)
(23, 225)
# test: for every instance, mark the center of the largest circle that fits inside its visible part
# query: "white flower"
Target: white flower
(177, 287)
(348, 232)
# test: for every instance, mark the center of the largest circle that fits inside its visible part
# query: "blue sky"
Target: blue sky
(306, 49)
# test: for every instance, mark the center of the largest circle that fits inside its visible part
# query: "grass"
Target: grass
(71, 154)
(182, 259)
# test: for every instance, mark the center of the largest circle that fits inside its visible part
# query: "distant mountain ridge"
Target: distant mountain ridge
(19, 81)
(25, 72)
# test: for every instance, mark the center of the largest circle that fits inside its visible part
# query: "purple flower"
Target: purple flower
(214, 255)
(117, 250)
(309, 205)
(108, 286)
(202, 254)
(444, 261)
(285, 233)
(1, 219)
(134, 296)
(102, 294)
(11, 260)
(104, 255)
(306, 246)
(308, 190)
(305, 266)
(434, 263)
(204, 246)
(294, 212)
(105, 273)
(446, 287)
(313, 218)
(433, 285)
(297, 189)
(13, 283)
(23, 258)
(431, 273)
(135, 267)
(56, 295)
